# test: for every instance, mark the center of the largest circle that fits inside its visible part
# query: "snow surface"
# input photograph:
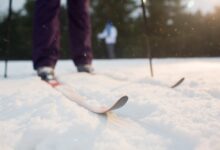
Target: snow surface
(33, 116)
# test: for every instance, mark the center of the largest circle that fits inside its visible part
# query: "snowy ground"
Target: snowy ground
(33, 116)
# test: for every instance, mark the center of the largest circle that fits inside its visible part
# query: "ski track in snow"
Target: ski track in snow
(33, 116)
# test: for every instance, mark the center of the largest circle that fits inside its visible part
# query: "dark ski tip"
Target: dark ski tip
(178, 83)
(121, 102)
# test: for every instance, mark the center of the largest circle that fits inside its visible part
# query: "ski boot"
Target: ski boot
(47, 74)
(85, 68)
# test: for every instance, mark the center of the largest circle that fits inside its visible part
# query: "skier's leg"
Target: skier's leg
(111, 52)
(80, 31)
(46, 33)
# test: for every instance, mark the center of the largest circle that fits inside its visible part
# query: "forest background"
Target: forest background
(171, 30)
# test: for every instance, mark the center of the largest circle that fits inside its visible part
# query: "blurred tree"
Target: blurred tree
(21, 33)
(163, 25)
(21, 28)
(172, 31)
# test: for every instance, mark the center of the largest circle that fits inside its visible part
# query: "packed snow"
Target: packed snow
(34, 116)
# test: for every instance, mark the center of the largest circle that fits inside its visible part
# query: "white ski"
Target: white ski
(72, 95)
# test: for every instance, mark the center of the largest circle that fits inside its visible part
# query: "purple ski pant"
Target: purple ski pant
(46, 32)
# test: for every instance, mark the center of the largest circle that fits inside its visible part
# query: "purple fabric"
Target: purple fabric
(46, 33)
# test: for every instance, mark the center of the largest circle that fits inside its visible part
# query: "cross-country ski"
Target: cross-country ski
(73, 96)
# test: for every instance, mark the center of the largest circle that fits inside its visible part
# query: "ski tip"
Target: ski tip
(124, 98)
(178, 82)
(121, 102)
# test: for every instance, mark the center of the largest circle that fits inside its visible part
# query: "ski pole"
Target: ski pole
(147, 43)
(8, 37)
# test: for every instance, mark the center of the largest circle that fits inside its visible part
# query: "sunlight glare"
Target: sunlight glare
(190, 4)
